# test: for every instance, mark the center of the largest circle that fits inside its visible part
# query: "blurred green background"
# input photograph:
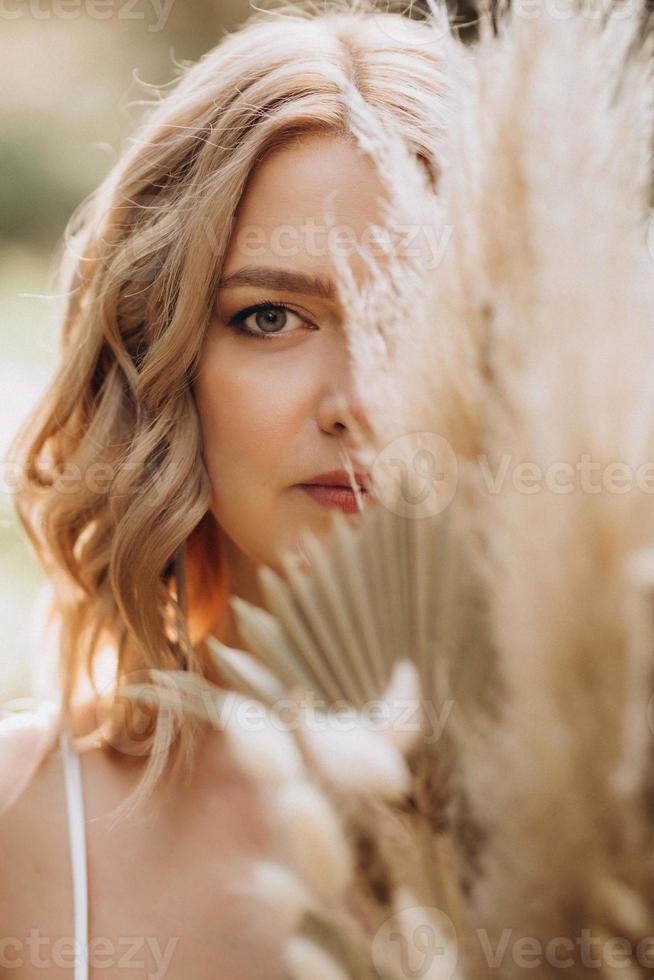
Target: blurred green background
(75, 72)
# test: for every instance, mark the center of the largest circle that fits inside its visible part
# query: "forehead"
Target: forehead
(296, 193)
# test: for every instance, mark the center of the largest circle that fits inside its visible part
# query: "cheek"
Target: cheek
(249, 412)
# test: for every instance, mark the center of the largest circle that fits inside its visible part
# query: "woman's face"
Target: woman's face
(271, 402)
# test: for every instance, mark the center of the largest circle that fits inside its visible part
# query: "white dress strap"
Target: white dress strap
(77, 840)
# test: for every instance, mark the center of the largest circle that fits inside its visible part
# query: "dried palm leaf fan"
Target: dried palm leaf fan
(496, 817)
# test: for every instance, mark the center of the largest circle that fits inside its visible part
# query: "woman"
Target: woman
(203, 405)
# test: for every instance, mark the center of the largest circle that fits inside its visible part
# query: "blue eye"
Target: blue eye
(270, 320)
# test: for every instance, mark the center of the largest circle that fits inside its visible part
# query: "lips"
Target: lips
(334, 489)
(337, 478)
(343, 498)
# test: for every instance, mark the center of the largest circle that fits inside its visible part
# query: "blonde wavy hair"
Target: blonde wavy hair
(130, 548)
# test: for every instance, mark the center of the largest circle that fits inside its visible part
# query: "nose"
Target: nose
(341, 411)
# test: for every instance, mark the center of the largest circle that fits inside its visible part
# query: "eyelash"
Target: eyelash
(238, 319)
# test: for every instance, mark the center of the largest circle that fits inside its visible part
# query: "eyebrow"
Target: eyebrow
(283, 279)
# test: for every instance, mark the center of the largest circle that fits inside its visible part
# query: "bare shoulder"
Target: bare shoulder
(31, 773)
(34, 845)
(167, 872)
(36, 886)
(27, 761)
(32, 831)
